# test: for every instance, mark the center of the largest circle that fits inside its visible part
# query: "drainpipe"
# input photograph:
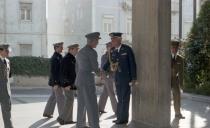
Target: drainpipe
(180, 19)
(194, 9)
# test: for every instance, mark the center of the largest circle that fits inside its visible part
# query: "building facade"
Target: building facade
(187, 17)
(32, 26)
(23, 26)
(70, 20)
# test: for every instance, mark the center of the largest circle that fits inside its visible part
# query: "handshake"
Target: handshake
(73, 87)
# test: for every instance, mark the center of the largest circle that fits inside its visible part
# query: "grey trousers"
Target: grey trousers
(56, 96)
(6, 111)
(87, 101)
(176, 98)
(108, 91)
(67, 114)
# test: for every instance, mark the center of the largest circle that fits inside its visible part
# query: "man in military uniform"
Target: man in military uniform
(177, 63)
(125, 75)
(5, 92)
(68, 76)
(57, 95)
(87, 67)
(108, 77)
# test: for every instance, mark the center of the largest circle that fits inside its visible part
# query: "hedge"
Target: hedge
(29, 66)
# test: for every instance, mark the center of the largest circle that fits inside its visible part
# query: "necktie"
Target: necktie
(5, 62)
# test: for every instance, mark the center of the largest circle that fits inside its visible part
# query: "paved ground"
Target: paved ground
(28, 105)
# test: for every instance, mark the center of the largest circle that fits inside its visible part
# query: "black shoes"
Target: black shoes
(102, 112)
(120, 122)
(114, 121)
(179, 116)
(47, 116)
(62, 122)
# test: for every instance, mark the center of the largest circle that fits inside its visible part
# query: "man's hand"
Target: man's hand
(133, 82)
(103, 75)
(98, 73)
(55, 87)
(68, 88)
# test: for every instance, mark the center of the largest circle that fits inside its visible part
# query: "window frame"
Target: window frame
(20, 49)
(24, 15)
(108, 24)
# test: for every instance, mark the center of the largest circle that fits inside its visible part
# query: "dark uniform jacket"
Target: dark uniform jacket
(4, 78)
(55, 63)
(68, 73)
(126, 60)
(177, 71)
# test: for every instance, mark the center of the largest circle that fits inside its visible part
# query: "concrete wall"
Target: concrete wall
(17, 32)
(25, 81)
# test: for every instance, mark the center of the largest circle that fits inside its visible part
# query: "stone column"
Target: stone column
(151, 43)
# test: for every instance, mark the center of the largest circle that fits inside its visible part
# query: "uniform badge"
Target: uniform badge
(123, 54)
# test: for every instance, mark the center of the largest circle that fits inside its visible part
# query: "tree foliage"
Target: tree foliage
(197, 53)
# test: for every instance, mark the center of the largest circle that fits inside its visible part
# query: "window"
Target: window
(129, 27)
(25, 49)
(26, 11)
(108, 24)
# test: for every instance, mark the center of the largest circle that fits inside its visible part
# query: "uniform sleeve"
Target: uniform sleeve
(106, 66)
(10, 72)
(55, 70)
(67, 72)
(181, 71)
(132, 64)
(93, 61)
(102, 61)
(63, 72)
(76, 66)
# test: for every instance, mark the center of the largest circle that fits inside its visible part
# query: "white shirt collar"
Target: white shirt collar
(2, 58)
(174, 55)
(118, 49)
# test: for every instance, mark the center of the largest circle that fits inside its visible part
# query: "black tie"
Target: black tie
(174, 58)
(5, 62)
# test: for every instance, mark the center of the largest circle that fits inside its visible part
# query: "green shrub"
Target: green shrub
(29, 66)
(197, 77)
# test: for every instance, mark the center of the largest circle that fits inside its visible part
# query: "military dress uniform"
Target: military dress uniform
(68, 76)
(177, 64)
(87, 67)
(176, 81)
(108, 90)
(57, 95)
(125, 73)
(5, 92)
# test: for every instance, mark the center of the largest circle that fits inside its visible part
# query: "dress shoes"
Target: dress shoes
(102, 112)
(179, 116)
(121, 122)
(48, 116)
(62, 122)
(114, 121)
